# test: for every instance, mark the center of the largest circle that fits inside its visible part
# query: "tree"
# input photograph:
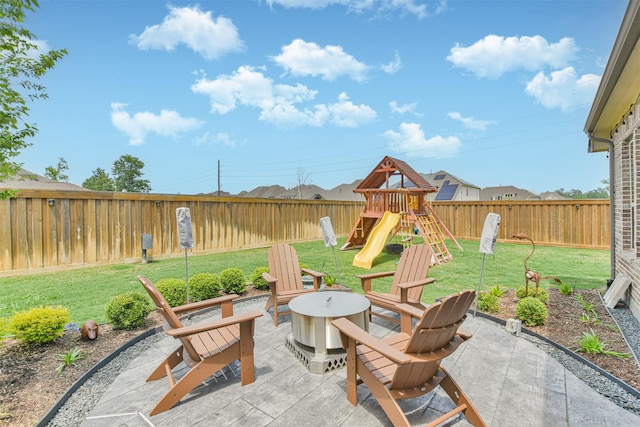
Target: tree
(57, 173)
(598, 193)
(303, 179)
(99, 181)
(21, 66)
(127, 175)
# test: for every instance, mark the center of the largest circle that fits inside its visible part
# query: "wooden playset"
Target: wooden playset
(394, 187)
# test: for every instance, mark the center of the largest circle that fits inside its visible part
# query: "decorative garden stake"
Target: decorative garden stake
(89, 330)
(530, 275)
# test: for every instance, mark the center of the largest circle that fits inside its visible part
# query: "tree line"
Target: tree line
(126, 175)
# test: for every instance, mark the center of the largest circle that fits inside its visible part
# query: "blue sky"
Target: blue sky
(494, 92)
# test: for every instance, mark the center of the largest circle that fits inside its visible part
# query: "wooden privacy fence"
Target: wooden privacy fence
(572, 223)
(53, 228)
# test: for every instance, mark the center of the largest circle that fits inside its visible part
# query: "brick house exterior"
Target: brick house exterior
(613, 125)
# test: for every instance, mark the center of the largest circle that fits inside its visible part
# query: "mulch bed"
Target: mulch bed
(564, 326)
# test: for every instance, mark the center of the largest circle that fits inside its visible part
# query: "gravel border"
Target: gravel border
(75, 406)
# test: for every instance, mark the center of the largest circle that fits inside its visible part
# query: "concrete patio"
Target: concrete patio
(510, 381)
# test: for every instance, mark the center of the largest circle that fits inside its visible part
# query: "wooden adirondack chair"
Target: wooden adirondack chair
(285, 278)
(407, 365)
(408, 281)
(206, 348)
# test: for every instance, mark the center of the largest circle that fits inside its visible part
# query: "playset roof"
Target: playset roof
(390, 167)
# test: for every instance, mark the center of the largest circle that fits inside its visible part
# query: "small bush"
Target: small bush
(497, 291)
(543, 294)
(488, 302)
(233, 281)
(329, 280)
(565, 289)
(521, 292)
(590, 343)
(173, 290)
(257, 280)
(531, 311)
(39, 325)
(203, 286)
(128, 310)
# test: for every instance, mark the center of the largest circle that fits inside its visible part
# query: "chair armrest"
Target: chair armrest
(317, 277)
(407, 313)
(416, 283)
(185, 331)
(269, 278)
(358, 335)
(365, 279)
(410, 310)
(204, 304)
(312, 272)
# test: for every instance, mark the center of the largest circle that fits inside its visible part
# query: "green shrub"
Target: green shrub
(233, 281)
(497, 291)
(565, 289)
(128, 310)
(521, 292)
(590, 343)
(39, 325)
(173, 290)
(531, 311)
(257, 280)
(203, 286)
(488, 302)
(543, 294)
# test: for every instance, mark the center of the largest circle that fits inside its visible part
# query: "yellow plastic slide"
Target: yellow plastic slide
(376, 241)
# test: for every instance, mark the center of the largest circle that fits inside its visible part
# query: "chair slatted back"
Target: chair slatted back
(171, 320)
(434, 332)
(284, 264)
(413, 265)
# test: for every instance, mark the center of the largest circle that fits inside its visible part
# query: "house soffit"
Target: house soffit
(620, 85)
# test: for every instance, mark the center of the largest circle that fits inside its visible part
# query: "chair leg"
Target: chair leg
(460, 398)
(352, 373)
(269, 303)
(173, 360)
(385, 400)
(247, 364)
(193, 378)
(275, 314)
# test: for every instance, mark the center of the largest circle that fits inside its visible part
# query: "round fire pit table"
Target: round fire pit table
(311, 317)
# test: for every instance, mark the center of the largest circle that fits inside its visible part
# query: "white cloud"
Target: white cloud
(402, 109)
(470, 122)
(217, 138)
(278, 103)
(344, 113)
(302, 58)
(410, 140)
(360, 6)
(393, 66)
(210, 37)
(246, 86)
(495, 55)
(563, 89)
(168, 123)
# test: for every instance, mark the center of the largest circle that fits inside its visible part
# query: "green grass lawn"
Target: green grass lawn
(86, 291)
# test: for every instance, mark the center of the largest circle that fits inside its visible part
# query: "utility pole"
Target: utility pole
(218, 177)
